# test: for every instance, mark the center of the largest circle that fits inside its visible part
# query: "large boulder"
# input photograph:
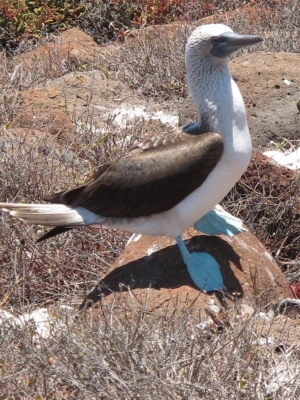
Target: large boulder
(44, 120)
(78, 96)
(72, 46)
(151, 271)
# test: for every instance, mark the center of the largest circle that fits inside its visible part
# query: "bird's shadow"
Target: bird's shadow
(165, 269)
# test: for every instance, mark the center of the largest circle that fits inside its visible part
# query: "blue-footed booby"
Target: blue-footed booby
(167, 183)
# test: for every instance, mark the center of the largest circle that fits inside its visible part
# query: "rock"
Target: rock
(156, 274)
(55, 122)
(264, 172)
(27, 139)
(151, 271)
(270, 85)
(71, 46)
(81, 95)
(267, 198)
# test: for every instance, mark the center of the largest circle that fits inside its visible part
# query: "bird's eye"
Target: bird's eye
(214, 40)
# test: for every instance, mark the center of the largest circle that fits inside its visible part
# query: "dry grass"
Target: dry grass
(136, 355)
(120, 355)
(73, 260)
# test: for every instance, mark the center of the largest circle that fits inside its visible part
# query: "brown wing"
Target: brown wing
(152, 178)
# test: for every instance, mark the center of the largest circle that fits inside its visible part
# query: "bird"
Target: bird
(166, 183)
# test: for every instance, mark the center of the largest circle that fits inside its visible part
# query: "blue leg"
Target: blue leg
(219, 222)
(203, 269)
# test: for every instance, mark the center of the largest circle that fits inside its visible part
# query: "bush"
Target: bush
(104, 19)
(20, 19)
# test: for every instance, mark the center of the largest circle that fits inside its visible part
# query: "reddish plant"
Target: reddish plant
(20, 18)
(295, 289)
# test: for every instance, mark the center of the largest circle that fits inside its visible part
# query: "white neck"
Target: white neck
(218, 100)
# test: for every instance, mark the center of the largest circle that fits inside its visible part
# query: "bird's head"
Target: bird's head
(217, 42)
(209, 79)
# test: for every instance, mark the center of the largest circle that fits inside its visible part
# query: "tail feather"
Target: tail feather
(44, 214)
(53, 232)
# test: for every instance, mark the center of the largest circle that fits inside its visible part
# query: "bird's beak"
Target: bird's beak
(229, 42)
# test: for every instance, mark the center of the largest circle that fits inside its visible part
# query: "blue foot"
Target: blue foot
(219, 222)
(203, 269)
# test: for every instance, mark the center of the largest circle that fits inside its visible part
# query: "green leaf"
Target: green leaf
(20, 27)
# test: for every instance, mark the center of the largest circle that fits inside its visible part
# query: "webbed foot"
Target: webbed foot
(220, 222)
(203, 269)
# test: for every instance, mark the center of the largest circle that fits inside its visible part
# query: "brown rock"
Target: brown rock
(71, 46)
(263, 170)
(55, 122)
(151, 271)
(270, 85)
(48, 108)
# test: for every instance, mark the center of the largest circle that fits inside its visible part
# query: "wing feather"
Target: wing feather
(152, 178)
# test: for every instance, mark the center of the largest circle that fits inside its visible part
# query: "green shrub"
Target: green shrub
(19, 19)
